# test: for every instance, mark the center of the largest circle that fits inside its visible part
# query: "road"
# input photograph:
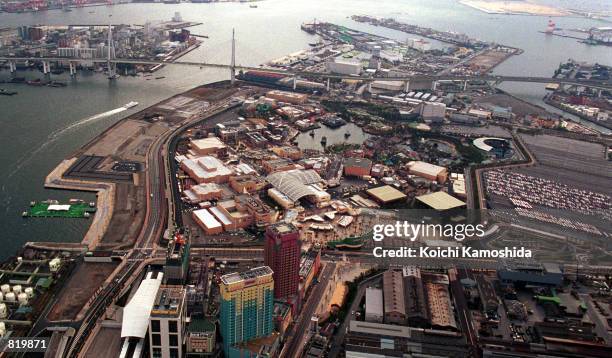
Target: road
(463, 313)
(295, 342)
(145, 245)
(338, 339)
(603, 85)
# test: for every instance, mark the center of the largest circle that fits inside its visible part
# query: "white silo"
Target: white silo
(5, 288)
(10, 297)
(29, 291)
(23, 299)
(17, 289)
(3, 311)
(2, 329)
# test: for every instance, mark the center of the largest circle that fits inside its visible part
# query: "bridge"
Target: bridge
(596, 84)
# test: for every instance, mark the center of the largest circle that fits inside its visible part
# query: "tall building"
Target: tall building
(177, 260)
(282, 255)
(167, 322)
(247, 306)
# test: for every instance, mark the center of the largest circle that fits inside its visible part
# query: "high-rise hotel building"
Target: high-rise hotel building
(282, 255)
(247, 305)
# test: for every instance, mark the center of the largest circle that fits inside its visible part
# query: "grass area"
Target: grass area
(41, 210)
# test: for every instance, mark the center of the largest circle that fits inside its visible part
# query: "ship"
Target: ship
(4, 92)
(130, 105)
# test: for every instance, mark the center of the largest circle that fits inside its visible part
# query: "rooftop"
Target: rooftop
(386, 194)
(236, 277)
(440, 201)
(169, 300)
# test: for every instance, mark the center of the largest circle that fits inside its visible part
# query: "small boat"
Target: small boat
(253, 6)
(160, 77)
(312, 133)
(36, 82)
(347, 134)
(323, 140)
(4, 92)
(130, 105)
(56, 84)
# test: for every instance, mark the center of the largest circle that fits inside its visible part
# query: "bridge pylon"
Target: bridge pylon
(233, 61)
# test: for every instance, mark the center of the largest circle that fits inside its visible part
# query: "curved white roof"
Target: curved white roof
(294, 183)
(480, 143)
(137, 312)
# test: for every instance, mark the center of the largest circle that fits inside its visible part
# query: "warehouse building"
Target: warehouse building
(207, 222)
(374, 305)
(386, 194)
(393, 297)
(440, 201)
(428, 171)
(357, 167)
(344, 67)
(207, 146)
(206, 169)
(203, 192)
(289, 97)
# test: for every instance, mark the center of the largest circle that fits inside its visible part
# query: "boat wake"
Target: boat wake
(54, 136)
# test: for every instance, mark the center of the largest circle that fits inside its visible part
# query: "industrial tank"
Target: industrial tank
(23, 299)
(10, 297)
(17, 289)
(29, 291)
(3, 311)
(5, 288)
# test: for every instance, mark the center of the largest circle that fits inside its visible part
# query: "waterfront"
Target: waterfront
(333, 135)
(34, 121)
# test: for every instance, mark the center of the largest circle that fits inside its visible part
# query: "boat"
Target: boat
(130, 105)
(312, 133)
(323, 140)
(347, 134)
(36, 82)
(160, 77)
(56, 84)
(253, 6)
(4, 92)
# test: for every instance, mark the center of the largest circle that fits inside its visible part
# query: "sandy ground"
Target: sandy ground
(513, 7)
(79, 289)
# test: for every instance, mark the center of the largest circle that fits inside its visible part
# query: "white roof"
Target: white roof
(425, 168)
(208, 143)
(55, 207)
(206, 218)
(374, 302)
(206, 167)
(137, 312)
(220, 216)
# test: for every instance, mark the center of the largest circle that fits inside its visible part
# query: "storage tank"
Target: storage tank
(17, 289)
(23, 299)
(10, 297)
(1, 296)
(29, 291)
(5, 288)
(3, 311)
(2, 329)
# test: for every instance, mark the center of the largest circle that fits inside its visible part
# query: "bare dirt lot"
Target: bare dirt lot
(88, 276)
(128, 216)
